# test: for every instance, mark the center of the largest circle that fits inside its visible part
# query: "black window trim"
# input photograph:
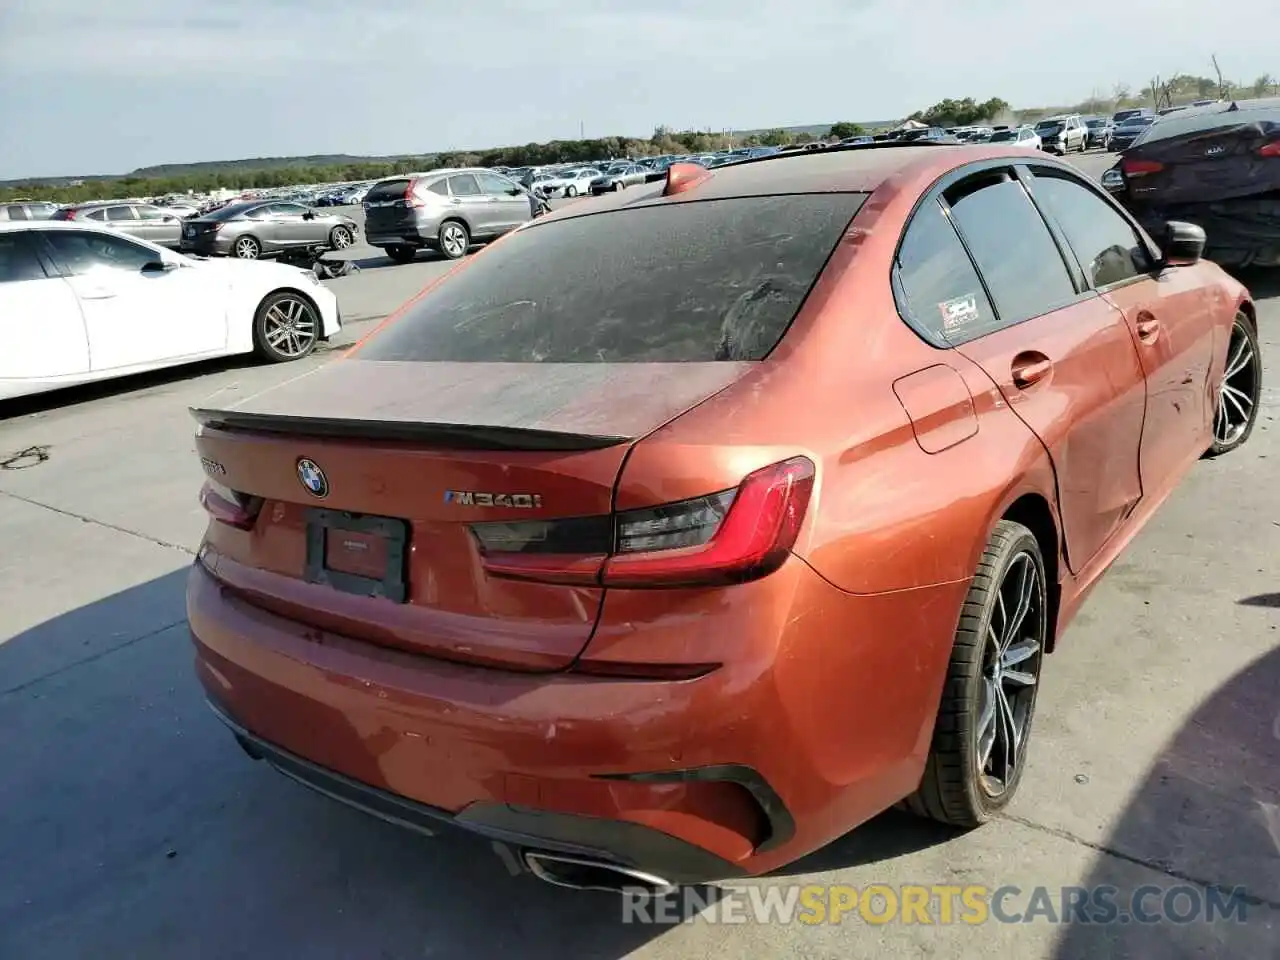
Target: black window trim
(936, 193)
(1028, 172)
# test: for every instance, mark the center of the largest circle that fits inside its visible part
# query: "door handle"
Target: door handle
(1030, 368)
(1148, 329)
(97, 293)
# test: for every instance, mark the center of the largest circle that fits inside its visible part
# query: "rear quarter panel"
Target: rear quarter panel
(886, 515)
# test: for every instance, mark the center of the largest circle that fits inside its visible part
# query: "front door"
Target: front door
(135, 317)
(1061, 355)
(1168, 315)
(509, 203)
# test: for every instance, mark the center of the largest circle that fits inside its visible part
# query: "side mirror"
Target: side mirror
(309, 215)
(159, 266)
(1183, 244)
(515, 191)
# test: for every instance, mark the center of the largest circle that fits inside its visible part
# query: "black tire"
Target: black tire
(571, 191)
(401, 254)
(955, 789)
(448, 248)
(246, 248)
(1232, 425)
(306, 329)
(617, 186)
(341, 237)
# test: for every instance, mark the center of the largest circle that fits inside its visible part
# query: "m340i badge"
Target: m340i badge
(478, 498)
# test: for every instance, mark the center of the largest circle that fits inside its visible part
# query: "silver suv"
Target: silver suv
(1064, 133)
(445, 210)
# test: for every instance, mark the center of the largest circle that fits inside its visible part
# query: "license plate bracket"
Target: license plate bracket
(389, 534)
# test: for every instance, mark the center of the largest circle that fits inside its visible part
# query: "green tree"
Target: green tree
(1263, 85)
(959, 113)
(845, 129)
(775, 138)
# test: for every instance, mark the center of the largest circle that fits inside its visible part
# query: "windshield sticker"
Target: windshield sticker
(959, 312)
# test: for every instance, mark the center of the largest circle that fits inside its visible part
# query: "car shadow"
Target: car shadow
(120, 387)
(1263, 284)
(144, 831)
(1212, 797)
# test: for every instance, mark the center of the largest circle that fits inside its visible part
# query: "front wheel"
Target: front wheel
(988, 700)
(617, 186)
(1236, 408)
(571, 191)
(286, 327)
(340, 238)
(247, 248)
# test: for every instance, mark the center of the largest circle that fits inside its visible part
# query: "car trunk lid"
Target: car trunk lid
(1205, 165)
(358, 485)
(389, 206)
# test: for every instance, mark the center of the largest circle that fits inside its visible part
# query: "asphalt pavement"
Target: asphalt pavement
(131, 826)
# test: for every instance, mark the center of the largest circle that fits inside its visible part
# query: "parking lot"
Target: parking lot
(134, 826)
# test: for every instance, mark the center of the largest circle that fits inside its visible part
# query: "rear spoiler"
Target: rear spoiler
(451, 435)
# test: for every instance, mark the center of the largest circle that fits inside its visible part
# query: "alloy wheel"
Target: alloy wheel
(289, 327)
(1011, 660)
(454, 240)
(341, 238)
(1238, 390)
(247, 248)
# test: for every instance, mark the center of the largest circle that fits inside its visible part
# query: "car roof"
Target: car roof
(8, 226)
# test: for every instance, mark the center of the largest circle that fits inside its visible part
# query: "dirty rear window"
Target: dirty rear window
(674, 282)
(387, 190)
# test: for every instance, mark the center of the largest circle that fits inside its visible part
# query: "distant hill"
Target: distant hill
(165, 170)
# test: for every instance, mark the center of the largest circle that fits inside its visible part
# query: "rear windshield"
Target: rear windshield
(674, 282)
(233, 210)
(387, 190)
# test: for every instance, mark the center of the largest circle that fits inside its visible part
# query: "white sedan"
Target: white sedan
(80, 303)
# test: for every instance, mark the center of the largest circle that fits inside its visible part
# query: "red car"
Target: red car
(680, 532)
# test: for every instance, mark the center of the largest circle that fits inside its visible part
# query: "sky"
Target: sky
(107, 86)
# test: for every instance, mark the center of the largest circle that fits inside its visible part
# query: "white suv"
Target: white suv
(1064, 133)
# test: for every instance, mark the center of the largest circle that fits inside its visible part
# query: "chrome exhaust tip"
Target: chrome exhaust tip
(581, 873)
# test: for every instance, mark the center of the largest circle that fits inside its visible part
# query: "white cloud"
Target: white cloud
(122, 83)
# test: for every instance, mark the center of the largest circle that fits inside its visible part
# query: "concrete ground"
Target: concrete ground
(132, 826)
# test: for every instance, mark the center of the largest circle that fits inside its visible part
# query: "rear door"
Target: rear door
(123, 218)
(488, 493)
(158, 225)
(1169, 313)
(40, 322)
(1061, 355)
(481, 216)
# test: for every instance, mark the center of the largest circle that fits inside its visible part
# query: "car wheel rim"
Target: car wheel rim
(246, 248)
(341, 239)
(290, 327)
(455, 242)
(1010, 673)
(1239, 385)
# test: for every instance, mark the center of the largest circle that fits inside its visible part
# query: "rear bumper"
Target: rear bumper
(415, 233)
(738, 772)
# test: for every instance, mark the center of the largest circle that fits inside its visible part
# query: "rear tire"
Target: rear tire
(988, 699)
(401, 254)
(1236, 406)
(246, 248)
(454, 239)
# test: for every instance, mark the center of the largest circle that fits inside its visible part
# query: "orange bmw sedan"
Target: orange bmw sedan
(681, 531)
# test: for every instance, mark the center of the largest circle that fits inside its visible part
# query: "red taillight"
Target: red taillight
(1136, 168)
(411, 199)
(727, 537)
(1271, 149)
(228, 506)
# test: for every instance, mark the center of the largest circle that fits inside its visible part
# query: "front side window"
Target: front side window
(1014, 251)
(84, 251)
(1104, 242)
(945, 301)
(495, 185)
(686, 282)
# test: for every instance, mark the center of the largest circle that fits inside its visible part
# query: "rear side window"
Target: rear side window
(693, 281)
(1106, 246)
(16, 212)
(440, 187)
(18, 259)
(944, 298)
(98, 214)
(387, 190)
(1012, 247)
(120, 213)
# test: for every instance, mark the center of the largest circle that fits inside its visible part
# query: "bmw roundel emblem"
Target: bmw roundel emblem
(313, 478)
